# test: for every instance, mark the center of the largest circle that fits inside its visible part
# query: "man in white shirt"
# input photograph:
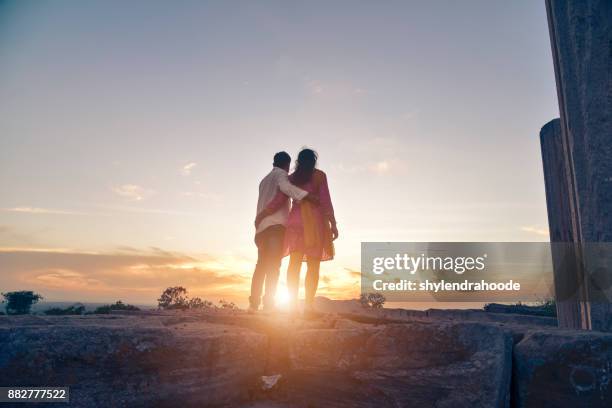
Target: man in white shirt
(270, 232)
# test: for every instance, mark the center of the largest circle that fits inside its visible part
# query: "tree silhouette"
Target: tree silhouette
(173, 298)
(119, 305)
(372, 300)
(20, 302)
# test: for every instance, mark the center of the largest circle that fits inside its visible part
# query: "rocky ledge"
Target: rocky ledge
(384, 359)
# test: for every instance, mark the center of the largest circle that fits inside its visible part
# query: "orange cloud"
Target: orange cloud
(136, 276)
(37, 210)
(535, 230)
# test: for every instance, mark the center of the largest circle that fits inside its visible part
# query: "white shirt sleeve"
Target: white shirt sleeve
(289, 189)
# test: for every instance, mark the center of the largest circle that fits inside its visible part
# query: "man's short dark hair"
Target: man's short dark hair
(281, 159)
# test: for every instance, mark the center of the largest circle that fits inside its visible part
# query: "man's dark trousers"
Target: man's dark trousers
(269, 256)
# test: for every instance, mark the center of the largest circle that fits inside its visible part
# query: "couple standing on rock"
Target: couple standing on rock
(303, 229)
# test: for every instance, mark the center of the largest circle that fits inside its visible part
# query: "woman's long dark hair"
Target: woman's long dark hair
(306, 163)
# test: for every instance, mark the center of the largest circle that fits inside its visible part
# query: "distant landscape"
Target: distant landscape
(89, 306)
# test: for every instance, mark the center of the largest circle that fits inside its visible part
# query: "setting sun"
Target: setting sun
(282, 297)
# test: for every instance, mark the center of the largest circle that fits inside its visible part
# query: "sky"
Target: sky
(133, 135)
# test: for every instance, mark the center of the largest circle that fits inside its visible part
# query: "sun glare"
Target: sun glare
(282, 297)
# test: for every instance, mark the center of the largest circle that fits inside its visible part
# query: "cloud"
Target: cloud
(21, 249)
(314, 87)
(132, 192)
(188, 168)
(535, 230)
(59, 278)
(109, 209)
(338, 90)
(381, 167)
(353, 273)
(16, 237)
(140, 275)
(134, 275)
(37, 210)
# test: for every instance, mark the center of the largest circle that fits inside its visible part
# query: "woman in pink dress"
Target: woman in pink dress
(311, 229)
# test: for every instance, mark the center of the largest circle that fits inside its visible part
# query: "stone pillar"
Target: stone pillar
(581, 39)
(571, 313)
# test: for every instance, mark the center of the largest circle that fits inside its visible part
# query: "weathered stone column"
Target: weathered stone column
(571, 313)
(581, 39)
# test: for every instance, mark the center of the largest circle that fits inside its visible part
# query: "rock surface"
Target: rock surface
(132, 361)
(413, 364)
(222, 359)
(563, 369)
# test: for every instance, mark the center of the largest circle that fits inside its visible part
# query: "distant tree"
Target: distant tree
(118, 305)
(542, 307)
(376, 300)
(176, 298)
(197, 303)
(363, 300)
(173, 298)
(372, 300)
(20, 302)
(548, 306)
(224, 304)
(76, 309)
